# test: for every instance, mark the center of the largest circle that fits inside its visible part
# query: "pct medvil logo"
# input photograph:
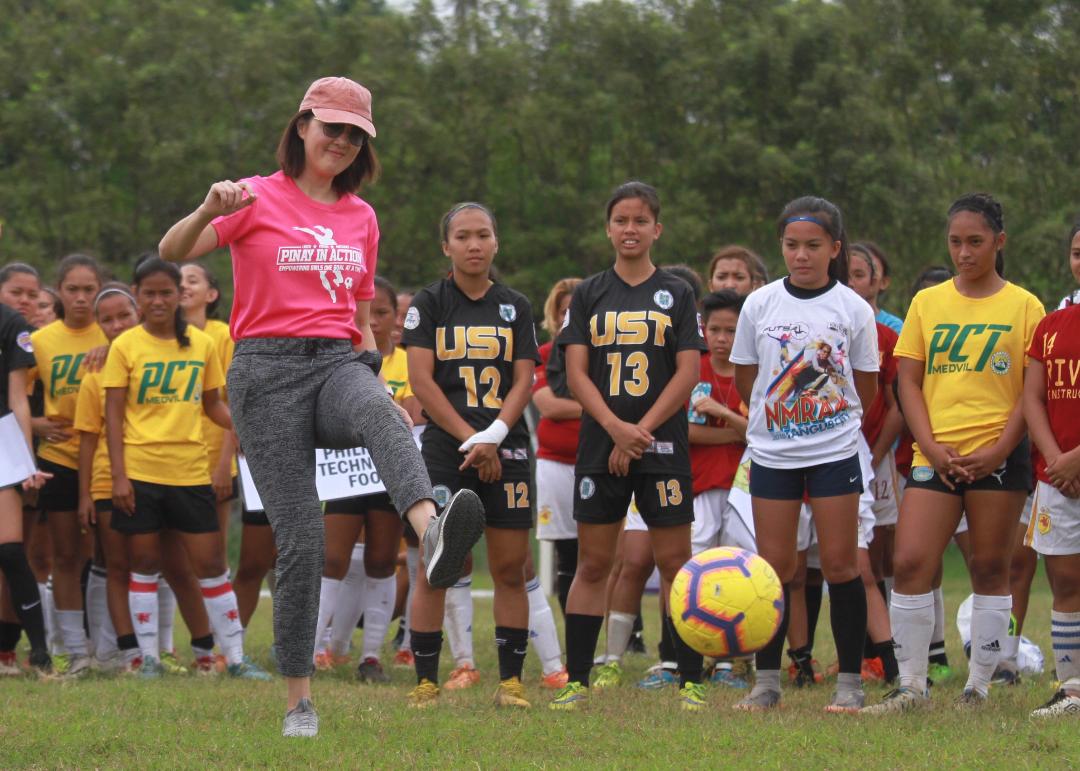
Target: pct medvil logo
(1000, 363)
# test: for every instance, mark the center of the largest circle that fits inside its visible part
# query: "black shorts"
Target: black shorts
(507, 503)
(190, 509)
(61, 493)
(1014, 475)
(360, 504)
(103, 505)
(663, 500)
(825, 480)
(257, 518)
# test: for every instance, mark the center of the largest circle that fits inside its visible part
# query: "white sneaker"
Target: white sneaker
(898, 700)
(1062, 703)
(301, 720)
(78, 666)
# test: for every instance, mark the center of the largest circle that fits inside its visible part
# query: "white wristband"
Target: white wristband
(493, 434)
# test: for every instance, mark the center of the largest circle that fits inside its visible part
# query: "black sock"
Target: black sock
(84, 581)
(813, 610)
(511, 645)
(582, 632)
(566, 566)
(869, 647)
(690, 661)
(426, 647)
(9, 636)
(937, 653)
(127, 642)
(847, 611)
(639, 625)
(24, 593)
(667, 643)
(206, 643)
(885, 651)
(768, 658)
(803, 659)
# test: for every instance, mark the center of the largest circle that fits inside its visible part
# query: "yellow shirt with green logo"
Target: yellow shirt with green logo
(163, 437)
(212, 432)
(973, 355)
(59, 351)
(395, 370)
(90, 419)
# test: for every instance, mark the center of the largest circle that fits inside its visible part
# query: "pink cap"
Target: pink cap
(340, 100)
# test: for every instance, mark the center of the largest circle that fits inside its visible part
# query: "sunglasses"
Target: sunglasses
(356, 136)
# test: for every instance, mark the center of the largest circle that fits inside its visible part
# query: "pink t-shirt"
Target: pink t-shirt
(299, 266)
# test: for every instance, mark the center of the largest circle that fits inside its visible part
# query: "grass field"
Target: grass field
(187, 722)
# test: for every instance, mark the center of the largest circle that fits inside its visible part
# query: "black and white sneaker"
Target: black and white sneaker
(449, 538)
(1063, 703)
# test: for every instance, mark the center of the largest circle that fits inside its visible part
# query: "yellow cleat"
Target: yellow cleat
(424, 695)
(511, 693)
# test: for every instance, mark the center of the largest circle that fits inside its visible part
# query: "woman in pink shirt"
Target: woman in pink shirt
(304, 374)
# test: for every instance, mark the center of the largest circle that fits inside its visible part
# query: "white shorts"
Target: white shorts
(886, 491)
(555, 501)
(634, 520)
(718, 524)
(867, 517)
(1055, 527)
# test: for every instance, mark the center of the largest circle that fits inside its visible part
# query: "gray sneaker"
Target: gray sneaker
(847, 702)
(78, 666)
(759, 701)
(301, 720)
(449, 538)
(898, 700)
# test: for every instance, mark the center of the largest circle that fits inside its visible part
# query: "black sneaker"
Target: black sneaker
(371, 671)
(636, 644)
(449, 538)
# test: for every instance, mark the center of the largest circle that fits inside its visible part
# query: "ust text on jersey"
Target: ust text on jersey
(477, 343)
(629, 328)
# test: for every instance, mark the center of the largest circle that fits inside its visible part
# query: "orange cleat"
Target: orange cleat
(324, 662)
(555, 680)
(873, 670)
(404, 658)
(461, 678)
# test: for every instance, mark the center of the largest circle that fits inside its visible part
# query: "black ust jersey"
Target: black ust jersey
(633, 334)
(476, 343)
(16, 352)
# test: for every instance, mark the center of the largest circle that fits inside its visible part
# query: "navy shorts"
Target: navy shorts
(825, 480)
(663, 500)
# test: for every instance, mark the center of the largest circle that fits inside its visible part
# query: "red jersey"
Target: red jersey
(1056, 343)
(714, 465)
(874, 417)
(557, 439)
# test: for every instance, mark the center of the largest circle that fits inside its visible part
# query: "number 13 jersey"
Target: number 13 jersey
(632, 335)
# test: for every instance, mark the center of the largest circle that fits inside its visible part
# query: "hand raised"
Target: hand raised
(227, 197)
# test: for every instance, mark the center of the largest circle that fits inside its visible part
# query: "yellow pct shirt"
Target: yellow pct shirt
(973, 353)
(90, 419)
(212, 432)
(395, 370)
(163, 438)
(59, 351)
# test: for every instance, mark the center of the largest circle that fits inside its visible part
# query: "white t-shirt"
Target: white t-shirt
(804, 409)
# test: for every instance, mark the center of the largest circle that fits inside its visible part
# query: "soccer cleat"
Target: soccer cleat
(324, 662)
(1005, 675)
(940, 673)
(511, 693)
(970, 699)
(658, 678)
(1062, 703)
(301, 720)
(761, 701)
(171, 665)
(41, 664)
(371, 671)
(570, 697)
(463, 677)
(692, 697)
(424, 695)
(150, 669)
(404, 658)
(846, 703)
(247, 669)
(901, 699)
(9, 664)
(206, 666)
(555, 680)
(726, 677)
(449, 538)
(60, 663)
(636, 644)
(873, 670)
(803, 670)
(608, 676)
(78, 666)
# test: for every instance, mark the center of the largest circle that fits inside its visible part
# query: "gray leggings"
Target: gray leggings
(290, 396)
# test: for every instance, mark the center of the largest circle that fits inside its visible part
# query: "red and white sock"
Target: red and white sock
(221, 607)
(142, 598)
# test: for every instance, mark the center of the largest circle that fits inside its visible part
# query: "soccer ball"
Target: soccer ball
(727, 602)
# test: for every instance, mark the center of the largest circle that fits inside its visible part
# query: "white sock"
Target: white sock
(73, 632)
(142, 598)
(457, 620)
(545, 638)
(220, 601)
(912, 619)
(379, 595)
(1065, 638)
(1010, 650)
(48, 610)
(938, 636)
(412, 563)
(97, 610)
(989, 627)
(166, 616)
(329, 590)
(350, 604)
(619, 628)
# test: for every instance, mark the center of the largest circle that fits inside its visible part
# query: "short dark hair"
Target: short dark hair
(291, 158)
(722, 300)
(827, 214)
(992, 213)
(634, 189)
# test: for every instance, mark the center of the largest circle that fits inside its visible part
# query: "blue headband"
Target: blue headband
(806, 218)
